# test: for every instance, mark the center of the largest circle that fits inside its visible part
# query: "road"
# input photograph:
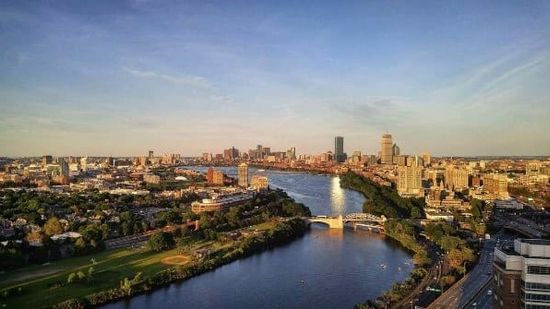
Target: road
(420, 296)
(466, 289)
(483, 299)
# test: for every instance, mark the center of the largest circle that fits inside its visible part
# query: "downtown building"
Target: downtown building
(386, 149)
(521, 275)
(409, 181)
(339, 155)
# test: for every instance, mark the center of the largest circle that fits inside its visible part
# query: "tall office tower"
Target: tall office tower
(84, 164)
(409, 182)
(339, 155)
(291, 153)
(259, 152)
(243, 175)
(395, 150)
(150, 154)
(386, 149)
(47, 160)
(64, 167)
(521, 274)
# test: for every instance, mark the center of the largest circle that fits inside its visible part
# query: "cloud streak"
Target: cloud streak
(186, 80)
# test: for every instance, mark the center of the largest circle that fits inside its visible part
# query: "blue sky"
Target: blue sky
(123, 77)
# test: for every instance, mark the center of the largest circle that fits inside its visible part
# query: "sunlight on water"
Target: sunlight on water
(337, 197)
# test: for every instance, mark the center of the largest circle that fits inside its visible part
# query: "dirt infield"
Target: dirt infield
(175, 260)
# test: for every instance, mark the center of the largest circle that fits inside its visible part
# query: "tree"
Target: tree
(53, 227)
(161, 241)
(34, 236)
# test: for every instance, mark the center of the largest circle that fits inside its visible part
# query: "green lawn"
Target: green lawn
(111, 266)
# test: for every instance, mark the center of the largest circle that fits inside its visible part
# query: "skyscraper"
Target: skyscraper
(386, 149)
(396, 150)
(243, 175)
(339, 155)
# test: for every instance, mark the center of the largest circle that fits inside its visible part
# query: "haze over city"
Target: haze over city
(119, 78)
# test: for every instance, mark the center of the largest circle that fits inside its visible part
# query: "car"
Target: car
(474, 304)
(489, 292)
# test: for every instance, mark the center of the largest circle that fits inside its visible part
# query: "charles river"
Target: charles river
(324, 269)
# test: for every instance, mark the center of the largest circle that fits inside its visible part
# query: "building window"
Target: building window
(535, 286)
(529, 306)
(538, 298)
(538, 270)
(512, 286)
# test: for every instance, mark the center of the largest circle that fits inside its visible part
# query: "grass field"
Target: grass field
(38, 282)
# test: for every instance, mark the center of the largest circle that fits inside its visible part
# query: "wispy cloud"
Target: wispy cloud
(188, 80)
(374, 111)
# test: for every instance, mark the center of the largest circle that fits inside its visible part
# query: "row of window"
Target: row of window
(528, 306)
(538, 270)
(537, 297)
(535, 286)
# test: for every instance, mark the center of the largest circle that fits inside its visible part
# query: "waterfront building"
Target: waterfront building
(259, 182)
(243, 175)
(215, 177)
(291, 153)
(339, 155)
(386, 149)
(521, 274)
(223, 202)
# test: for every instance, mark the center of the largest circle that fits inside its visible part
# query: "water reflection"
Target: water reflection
(327, 268)
(337, 197)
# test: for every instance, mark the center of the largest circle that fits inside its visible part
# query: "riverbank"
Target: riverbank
(385, 201)
(124, 273)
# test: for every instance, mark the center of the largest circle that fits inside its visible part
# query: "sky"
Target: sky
(120, 78)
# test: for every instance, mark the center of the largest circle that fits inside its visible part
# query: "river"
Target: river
(324, 269)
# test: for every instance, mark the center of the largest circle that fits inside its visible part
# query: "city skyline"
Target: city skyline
(116, 79)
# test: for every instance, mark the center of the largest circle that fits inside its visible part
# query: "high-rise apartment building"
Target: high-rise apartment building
(497, 185)
(456, 177)
(409, 181)
(243, 175)
(521, 274)
(150, 154)
(386, 149)
(339, 155)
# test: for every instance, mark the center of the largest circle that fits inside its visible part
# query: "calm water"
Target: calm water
(324, 269)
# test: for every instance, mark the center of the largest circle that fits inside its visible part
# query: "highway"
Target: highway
(462, 293)
(483, 299)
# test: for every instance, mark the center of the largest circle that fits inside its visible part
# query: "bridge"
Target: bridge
(355, 220)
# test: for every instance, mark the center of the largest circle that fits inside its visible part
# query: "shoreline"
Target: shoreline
(164, 278)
